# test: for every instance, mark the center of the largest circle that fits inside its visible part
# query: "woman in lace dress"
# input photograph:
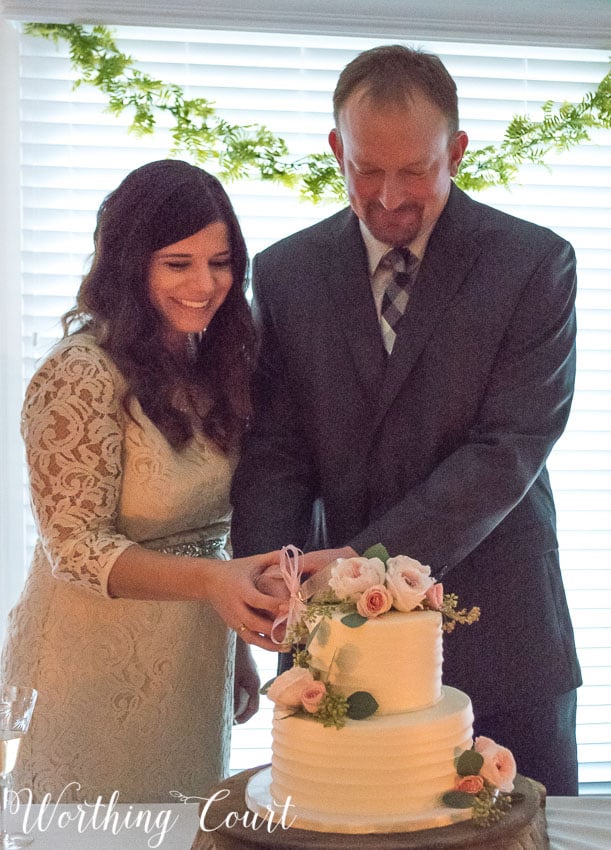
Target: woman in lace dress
(126, 625)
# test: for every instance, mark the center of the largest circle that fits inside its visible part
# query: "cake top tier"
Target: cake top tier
(368, 636)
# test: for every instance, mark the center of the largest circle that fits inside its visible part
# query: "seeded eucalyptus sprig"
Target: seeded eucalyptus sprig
(325, 604)
(254, 151)
(490, 805)
(302, 658)
(451, 616)
(333, 709)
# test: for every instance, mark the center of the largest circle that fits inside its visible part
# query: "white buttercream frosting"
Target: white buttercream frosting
(397, 658)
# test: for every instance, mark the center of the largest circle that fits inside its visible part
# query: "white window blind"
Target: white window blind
(73, 153)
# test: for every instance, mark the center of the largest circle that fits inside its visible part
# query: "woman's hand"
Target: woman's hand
(229, 586)
(232, 588)
(246, 684)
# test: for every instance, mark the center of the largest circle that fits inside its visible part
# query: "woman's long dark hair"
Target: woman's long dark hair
(157, 205)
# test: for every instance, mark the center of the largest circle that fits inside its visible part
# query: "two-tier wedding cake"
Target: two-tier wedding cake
(367, 739)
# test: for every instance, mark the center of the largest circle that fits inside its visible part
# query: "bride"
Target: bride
(127, 623)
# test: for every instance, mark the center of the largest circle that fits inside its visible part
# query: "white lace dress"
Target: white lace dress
(133, 696)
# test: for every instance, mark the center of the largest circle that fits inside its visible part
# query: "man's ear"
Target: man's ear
(335, 142)
(458, 146)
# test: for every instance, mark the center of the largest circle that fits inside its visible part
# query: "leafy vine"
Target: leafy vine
(255, 151)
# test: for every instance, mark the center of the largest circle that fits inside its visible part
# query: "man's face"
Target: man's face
(397, 162)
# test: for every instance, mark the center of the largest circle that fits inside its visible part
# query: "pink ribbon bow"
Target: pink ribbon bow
(290, 571)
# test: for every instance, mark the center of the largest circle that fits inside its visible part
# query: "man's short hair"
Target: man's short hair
(390, 75)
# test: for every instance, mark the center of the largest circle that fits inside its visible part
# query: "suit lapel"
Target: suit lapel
(448, 258)
(355, 314)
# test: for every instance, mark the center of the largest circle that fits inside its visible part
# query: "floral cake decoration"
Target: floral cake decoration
(484, 782)
(362, 588)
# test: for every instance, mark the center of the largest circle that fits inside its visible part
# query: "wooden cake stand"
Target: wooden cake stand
(226, 823)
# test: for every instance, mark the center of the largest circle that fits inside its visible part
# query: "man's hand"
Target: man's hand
(315, 561)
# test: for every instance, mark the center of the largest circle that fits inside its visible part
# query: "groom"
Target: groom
(412, 398)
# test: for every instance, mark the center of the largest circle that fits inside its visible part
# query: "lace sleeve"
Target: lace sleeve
(72, 426)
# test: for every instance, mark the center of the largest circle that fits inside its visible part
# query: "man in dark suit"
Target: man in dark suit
(412, 398)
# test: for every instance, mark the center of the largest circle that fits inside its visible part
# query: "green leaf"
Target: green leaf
(458, 800)
(322, 631)
(361, 705)
(312, 634)
(469, 763)
(354, 620)
(377, 551)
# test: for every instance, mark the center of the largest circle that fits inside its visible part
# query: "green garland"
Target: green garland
(254, 151)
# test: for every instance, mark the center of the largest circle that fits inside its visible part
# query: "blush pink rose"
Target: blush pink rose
(312, 696)
(434, 596)
(287, 688)
(350, 577)
(499, 767)
(374, 601)
(469, 784)
(408, 580)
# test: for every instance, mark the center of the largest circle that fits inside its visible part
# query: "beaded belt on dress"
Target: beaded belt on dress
(196, 548)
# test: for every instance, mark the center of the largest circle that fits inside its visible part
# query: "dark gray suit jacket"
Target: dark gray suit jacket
(439, 451)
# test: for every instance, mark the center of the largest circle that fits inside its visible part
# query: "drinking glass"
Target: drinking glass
(16, 707)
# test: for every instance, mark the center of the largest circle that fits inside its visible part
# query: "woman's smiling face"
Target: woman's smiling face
(189, 280)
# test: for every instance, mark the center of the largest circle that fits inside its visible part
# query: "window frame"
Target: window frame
(11, 466)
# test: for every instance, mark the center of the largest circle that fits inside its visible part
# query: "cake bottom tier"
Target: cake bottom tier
(523, 827)
(382, 774)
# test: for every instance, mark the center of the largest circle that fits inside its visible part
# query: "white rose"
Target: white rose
(287, 688)
(403, 561)
(408, 580)
(350, 577)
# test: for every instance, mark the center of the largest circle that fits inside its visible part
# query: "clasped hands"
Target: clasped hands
(268, 596)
